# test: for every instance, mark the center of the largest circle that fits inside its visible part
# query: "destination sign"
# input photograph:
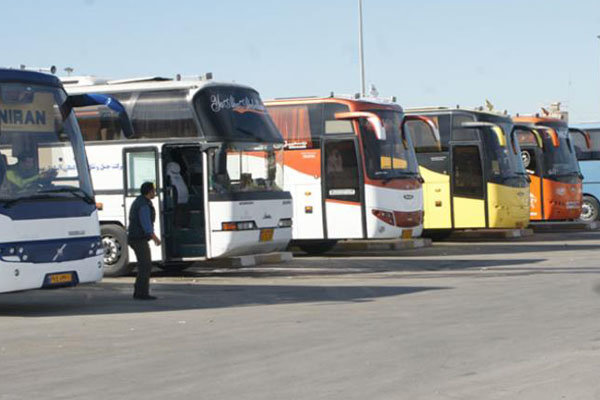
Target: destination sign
(34, 116)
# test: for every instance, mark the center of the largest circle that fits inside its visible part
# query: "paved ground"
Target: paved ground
(511, 320)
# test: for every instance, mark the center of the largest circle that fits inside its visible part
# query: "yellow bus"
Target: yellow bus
(473, 172)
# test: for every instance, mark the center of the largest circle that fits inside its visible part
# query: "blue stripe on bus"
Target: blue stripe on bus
(55, 250)
(44, 209)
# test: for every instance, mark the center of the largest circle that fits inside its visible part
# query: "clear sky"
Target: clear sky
(519, 54)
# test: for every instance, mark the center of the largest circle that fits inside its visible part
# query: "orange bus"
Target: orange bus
(556, 181)
(351, 169)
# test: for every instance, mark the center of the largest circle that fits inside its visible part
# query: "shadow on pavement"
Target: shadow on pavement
(115, 297)
(538, 248)
(342, 266)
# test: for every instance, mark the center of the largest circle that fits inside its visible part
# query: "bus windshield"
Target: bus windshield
(559, 160)
(391, 157)
(505, 161)
(244, 167)
(41, 150)
(231, 113)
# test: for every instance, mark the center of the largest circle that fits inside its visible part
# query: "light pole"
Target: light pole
(360, 50)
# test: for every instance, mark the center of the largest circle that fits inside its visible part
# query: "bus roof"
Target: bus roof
(541, 120)
(586, 125)
(419, 110)
(447, 108)
(26, 76)
(79, 85)
(333, 98)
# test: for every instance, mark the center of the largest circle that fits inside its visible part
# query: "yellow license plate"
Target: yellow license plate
(60, 278)
(407, 234)
(266, 235)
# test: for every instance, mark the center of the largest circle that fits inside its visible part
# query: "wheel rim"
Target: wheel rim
(588, 211)
(112, 250)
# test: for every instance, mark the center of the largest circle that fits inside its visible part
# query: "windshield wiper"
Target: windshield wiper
(73, 190)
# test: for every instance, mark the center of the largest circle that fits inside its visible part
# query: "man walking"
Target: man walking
(141, 229)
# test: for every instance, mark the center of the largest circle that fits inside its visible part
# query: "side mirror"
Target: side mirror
(372, 118)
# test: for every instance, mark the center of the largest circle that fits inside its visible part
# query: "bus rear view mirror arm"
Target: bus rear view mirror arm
(373, 119)
(500, 135)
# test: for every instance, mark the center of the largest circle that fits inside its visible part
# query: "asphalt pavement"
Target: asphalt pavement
(513, 319)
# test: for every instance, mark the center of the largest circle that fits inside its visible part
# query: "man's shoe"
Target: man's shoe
(144, 297)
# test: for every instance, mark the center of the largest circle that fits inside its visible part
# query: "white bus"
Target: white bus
(351, 168)
(49, 232)
(212, 150)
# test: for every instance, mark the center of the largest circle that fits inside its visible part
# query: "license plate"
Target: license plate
(57, 279)
(407, 234)
(266, 235)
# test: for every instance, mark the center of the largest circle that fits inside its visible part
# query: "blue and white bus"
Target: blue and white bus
(586, 139)
(49, 235)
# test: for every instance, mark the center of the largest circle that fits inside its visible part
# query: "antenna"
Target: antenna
(360, 49)
(69, 71)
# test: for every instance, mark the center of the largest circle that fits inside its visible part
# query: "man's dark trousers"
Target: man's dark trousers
(141, 247)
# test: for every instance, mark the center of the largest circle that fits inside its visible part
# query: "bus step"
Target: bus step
(191, 250)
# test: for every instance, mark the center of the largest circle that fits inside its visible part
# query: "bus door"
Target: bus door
(342, 183)
(141, 165)
(467, 185)
(183, 201)
(533, 161)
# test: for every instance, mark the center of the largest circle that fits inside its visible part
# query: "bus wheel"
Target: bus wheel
(114, 240)
(590, 209)
(320, 247)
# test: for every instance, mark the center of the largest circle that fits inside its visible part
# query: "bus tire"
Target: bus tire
(316, 248)
(116, 258)
(590, 209)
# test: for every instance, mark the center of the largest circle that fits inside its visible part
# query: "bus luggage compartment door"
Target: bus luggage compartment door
(468, 188)
(342, 195)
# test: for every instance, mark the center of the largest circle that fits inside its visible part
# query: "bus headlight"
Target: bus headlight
(285, 223)
(385, 216)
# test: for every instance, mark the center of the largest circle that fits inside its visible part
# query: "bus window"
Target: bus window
(141, 167)
(341, 170)
(459, 133)
(333, 125)
(245, 168)
(528, 155)
(98, 123)
(467, 172)
(163, 114)
(293, 122)
(423, 137)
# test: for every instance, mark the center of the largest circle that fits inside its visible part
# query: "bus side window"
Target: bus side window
(163, 114)
(459, 133)
(98, 123)
(528, 143)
